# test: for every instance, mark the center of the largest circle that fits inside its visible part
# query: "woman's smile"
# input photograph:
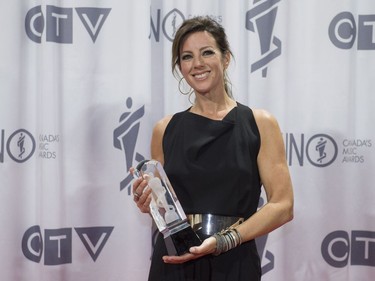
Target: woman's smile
(201, 76)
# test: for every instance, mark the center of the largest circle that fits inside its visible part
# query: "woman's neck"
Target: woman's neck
(214, 109)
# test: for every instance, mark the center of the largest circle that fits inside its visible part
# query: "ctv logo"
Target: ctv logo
(57, 243)
(344, 30)
(339, 248)
(57, 23)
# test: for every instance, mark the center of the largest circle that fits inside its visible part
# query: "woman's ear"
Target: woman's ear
(226, 60)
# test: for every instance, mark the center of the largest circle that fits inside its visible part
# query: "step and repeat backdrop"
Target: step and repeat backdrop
(83, 82)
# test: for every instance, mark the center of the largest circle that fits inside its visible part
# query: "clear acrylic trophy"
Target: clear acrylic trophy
(166, 209)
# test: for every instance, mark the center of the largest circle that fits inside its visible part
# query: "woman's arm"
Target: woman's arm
(274, 174)
(157, 139)
(142, 195)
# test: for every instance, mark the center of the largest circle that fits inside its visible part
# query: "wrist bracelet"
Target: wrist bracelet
(227, 240)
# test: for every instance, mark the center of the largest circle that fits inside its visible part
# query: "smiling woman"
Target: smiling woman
(215, 45)
(202, 63)
(217, 155)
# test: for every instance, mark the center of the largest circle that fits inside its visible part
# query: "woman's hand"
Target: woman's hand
(141, 193)
(207, 247)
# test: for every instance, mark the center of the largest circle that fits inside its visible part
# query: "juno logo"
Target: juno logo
(261, 20)
(20, 145)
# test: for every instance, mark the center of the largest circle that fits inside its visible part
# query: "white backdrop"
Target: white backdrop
(83, 82)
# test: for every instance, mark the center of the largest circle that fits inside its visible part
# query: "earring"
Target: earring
(181, 87)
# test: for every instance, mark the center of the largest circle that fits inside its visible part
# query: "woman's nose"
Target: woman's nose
(198, 61)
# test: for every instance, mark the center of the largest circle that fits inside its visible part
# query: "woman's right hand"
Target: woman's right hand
(141, 193)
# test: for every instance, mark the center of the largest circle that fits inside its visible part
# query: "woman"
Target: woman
(217, 155)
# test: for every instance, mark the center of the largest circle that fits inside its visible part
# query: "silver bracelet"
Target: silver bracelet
(227, 240)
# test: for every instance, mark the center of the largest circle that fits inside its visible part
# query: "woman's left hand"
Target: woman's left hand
(207, 247)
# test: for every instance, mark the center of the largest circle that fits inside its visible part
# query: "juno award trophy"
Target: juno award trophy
(166, 209)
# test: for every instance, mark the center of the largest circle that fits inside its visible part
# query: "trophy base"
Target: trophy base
(180, 242)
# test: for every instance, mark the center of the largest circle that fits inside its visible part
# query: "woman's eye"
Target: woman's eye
(186, 57)
(208, 52)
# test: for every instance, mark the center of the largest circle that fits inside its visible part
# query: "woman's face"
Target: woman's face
(202, 64)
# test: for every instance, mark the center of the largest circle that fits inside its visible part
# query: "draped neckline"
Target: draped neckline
(226, 117)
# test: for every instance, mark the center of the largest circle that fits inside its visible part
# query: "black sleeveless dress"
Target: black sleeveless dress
(212, 166)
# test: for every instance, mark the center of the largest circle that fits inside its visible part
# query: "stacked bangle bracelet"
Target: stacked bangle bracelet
(227, 240)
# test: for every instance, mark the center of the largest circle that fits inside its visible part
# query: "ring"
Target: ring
(136, 195)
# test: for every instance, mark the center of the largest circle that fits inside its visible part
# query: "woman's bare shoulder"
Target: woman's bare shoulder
(162, 124)
(263, 117)
(157, 138)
